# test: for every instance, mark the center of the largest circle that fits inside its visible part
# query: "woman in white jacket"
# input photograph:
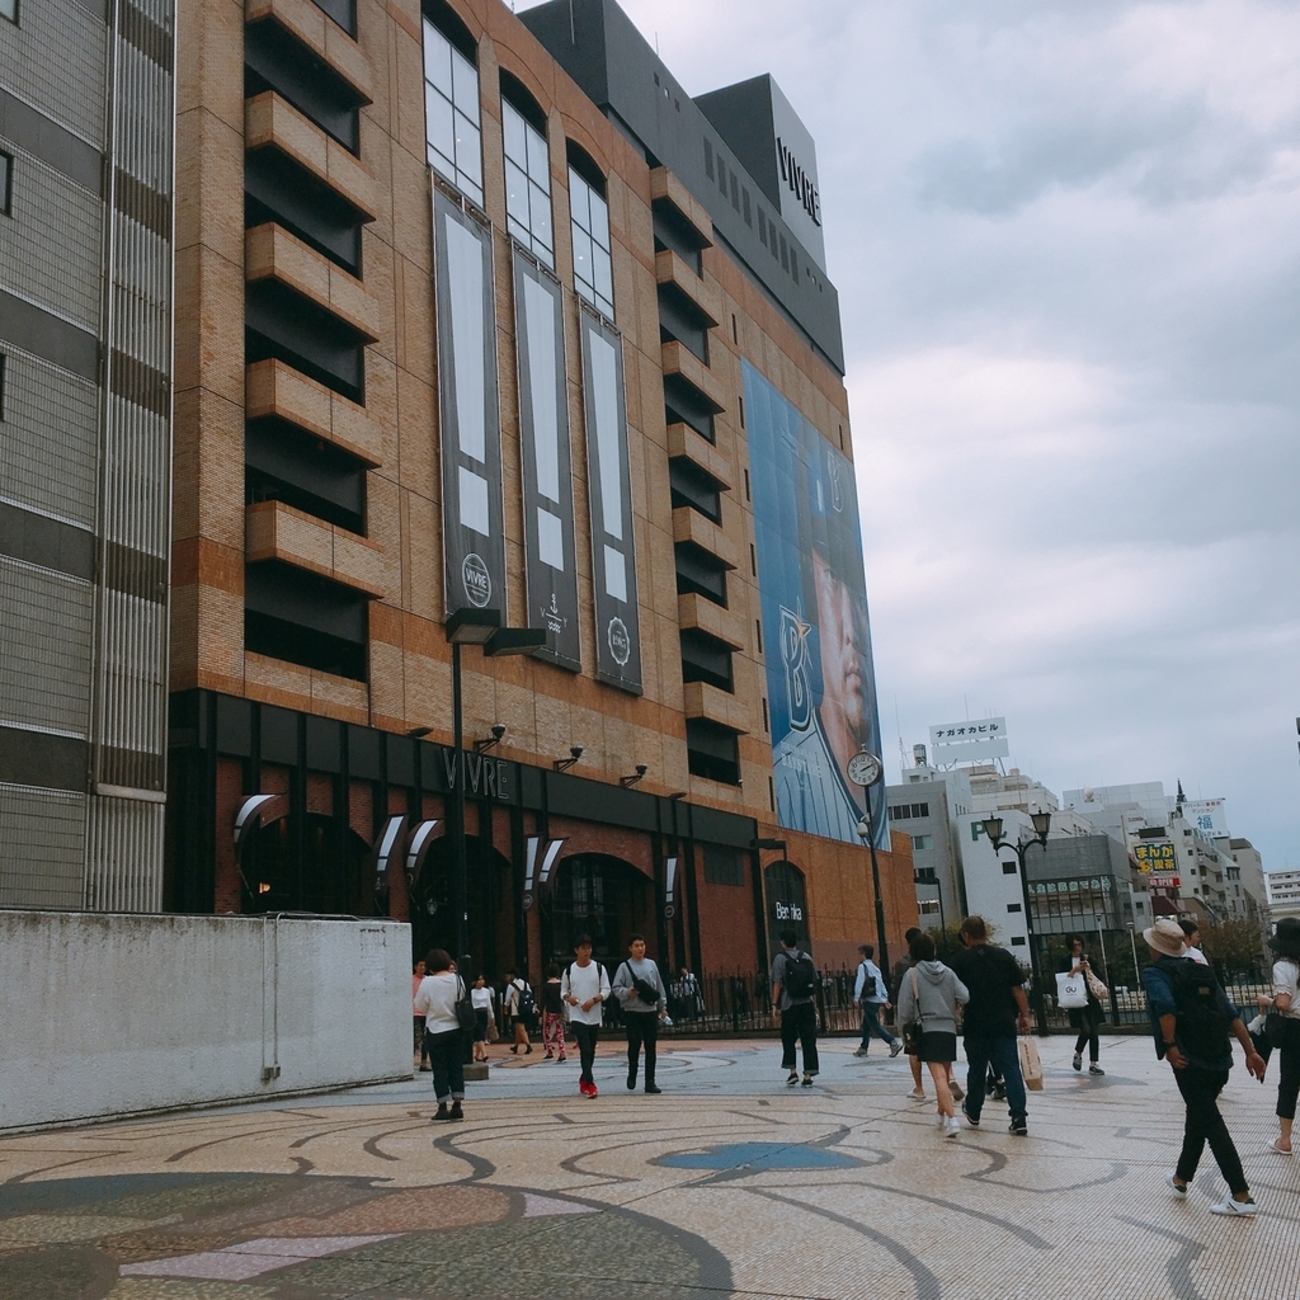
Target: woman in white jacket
(930, 995)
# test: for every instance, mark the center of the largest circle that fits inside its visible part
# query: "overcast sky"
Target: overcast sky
(1066, 239)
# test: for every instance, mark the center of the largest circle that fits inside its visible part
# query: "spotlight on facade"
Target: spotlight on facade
(419, 733)
(638, 773)
(575, 753)
(498, 731)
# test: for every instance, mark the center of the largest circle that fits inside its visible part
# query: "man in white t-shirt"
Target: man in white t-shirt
(584, 986)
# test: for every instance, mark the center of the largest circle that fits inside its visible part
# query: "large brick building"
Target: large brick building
(479, 311)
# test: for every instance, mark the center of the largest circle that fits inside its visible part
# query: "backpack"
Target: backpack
(525, 1003)
(799, 978)
(1203, 1025)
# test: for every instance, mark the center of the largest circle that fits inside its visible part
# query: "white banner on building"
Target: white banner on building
(968, 742)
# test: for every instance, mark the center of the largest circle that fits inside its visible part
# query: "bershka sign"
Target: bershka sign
(800, 184)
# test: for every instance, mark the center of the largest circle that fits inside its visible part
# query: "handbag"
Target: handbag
(1275, 1029)
(913, 1029)
(1031, 1065)
(465, 1017)
(1071, 991)
(1097, 988)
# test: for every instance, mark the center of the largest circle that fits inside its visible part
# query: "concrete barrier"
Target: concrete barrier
(112, 1015)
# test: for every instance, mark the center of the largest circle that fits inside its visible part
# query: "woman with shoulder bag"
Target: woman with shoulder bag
(1087, 1020)
(482, 997)
(440, 991)
(1282, 1027)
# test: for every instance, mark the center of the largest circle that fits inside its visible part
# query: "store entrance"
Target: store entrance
(602, 896)
(433, 921)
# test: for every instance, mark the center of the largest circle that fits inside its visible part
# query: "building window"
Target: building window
(921, 842)
(1008, 868)
(451, 113)
(1017, 941)
(528, 184)
(905, 812)
(928, 906)
(9, 9)
(723, 866)
(2, 387)
(593, 265)
(1013, 907)
(6, 170)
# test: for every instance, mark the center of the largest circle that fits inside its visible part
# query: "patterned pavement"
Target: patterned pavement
(726, 1185)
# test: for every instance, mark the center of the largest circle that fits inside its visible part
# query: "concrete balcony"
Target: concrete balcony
(272, 122)
(323, 37)
(275, 531)
(705, 701)
(272, 388)
(666, 188)
(691, 526)
(673, 271)
(686, 442)
(694, 611)
(679, 360)
(271, 252)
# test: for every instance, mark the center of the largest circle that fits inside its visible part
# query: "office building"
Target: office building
(483, 315)
(86, 163)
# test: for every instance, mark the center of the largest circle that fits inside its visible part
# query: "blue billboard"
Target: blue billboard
(820, 677)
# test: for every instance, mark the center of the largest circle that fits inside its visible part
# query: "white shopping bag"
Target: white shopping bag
(1071, 991)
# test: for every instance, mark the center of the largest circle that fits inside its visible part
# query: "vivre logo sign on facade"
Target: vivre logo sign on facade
(801, 185)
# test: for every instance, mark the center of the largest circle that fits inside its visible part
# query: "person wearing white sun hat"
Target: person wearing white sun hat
(1191, 1019)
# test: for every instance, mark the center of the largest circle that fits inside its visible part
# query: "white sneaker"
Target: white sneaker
(895, 1047)
(950, 1126)
(1178, 1189)
(1233, 1207)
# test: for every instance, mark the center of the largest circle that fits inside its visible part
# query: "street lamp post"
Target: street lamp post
(1042, 824)
(480, 627)
(865, 769)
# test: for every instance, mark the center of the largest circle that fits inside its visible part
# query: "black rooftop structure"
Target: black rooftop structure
(723, 153)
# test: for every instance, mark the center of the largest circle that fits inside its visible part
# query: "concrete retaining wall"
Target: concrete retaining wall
(111, 1015)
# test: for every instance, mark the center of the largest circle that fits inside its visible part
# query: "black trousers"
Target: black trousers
(642, 1028)
(1288, 1084)
(799, 1024)
(1089, 1021)
(1200, 1089)
(447, 1057)
(586, 1036)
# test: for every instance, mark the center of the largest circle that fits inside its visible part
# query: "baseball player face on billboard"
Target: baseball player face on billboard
(846, 671)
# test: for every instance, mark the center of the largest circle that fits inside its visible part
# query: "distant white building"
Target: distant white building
(1283, 894)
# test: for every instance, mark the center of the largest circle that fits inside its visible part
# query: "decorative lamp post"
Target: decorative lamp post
(865, 769)
(480, 627)
(1042, 824)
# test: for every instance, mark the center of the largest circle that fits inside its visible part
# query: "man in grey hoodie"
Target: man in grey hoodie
(640, 988)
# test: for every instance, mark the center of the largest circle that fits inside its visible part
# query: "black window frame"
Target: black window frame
(6, 181)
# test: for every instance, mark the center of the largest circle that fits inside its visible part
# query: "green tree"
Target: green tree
(1235, 947)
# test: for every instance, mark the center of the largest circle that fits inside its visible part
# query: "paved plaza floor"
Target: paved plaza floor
(728, 1184)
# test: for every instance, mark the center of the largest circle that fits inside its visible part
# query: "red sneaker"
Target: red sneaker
(591, 1090)
(585, 1088)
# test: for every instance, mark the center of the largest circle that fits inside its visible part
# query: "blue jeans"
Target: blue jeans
(1005, 1057)
(871, 1026)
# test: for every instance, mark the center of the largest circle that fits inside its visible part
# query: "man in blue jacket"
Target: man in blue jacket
(1191, 1019)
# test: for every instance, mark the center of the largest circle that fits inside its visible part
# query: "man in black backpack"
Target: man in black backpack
(794, 988)
(1191, 1019)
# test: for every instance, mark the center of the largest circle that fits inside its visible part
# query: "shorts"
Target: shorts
(938, 1046)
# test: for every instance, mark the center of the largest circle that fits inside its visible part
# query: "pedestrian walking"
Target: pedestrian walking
(930, 996)
(552, 1015)
(585, 988)
(436, 1001)
(901, 967)
(519, 1004)
(640, 988)
(996, 1010)
(1192, 941)
(794, 990)
(418, 972)
(870, 994)
(1087, 1020)
(483, 999)
(1285, 1030)
(1191, 1021)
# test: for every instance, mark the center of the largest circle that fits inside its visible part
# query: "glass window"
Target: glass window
(921, 842)
(9, 9)
(451, 113)
(6, 170)
(528, 184)
(593, 270)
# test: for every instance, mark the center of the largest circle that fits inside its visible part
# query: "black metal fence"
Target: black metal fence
(1126, 1008)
